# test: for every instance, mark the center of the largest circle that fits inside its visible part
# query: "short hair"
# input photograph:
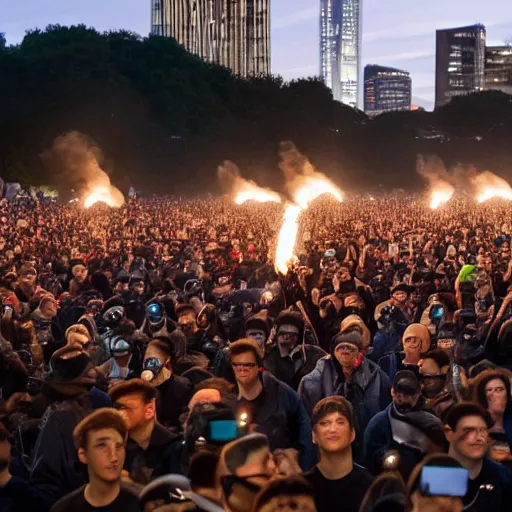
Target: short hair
(290, 486)
(439, 356)
(245, 345)
(99, 419)
(223, 386)
(235, 454)
(480, 396)
(463, 409)
(164, 346)
(330, 405)
(202, 469)
(133, 387)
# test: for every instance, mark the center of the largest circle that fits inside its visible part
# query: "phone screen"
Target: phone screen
(223, 430)
(444, 481)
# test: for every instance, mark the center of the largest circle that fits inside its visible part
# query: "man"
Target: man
(347, 372)
(336, 479)
(403, 426)
(101, 442)
(286, 494)
(467, 430)
(434, 368)
(258, 327)
(150, 446)
(79, 283)
(291, 358)
(399, 300)
(270, 406)
(245, 466)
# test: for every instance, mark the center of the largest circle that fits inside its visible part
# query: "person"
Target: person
(245, 466)
(467, 431)
(434, 368)
(291, 358)
(173, 391)
(285, 494)
(336, 479)
(16, 494)
(347, 372)
(258, 327)
(100, 439)
(150, 448)
(404, 426)
(270, 406)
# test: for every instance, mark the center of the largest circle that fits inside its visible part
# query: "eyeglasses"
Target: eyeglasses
(247, 366)
(347, 347)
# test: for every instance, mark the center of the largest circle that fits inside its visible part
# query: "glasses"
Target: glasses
(347, 347)
(247, 366)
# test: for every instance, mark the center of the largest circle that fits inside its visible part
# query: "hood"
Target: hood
(356, 321)
(419, 331)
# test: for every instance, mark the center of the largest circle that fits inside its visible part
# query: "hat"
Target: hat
(260, 321)
(70, 363)
(402, 287)
(418, 331)
(290, 317)
(353, 337)
(406, 382)
(75, 332)
(355, 321)
(185, 308)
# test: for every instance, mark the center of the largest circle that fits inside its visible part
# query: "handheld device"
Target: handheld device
(444, 481)
(223, 430)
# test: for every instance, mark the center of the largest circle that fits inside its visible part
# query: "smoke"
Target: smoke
(487, 185)
(440, 185)
(75, 162)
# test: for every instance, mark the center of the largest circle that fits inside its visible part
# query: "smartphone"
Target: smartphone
(436, 312)
(444, 481)
(223, 430)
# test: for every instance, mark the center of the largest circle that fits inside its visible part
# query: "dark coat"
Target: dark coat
(369, 391)
(172, 400)
(283, 419)
(291, 370)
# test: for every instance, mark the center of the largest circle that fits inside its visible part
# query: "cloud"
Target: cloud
(295, 18)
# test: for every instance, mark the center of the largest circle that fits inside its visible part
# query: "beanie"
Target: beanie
(353, 337)
(419, 331)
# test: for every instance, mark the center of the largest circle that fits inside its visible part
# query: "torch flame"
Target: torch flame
(488, 185)
(109, 195)
(441, 195)
(249, 191)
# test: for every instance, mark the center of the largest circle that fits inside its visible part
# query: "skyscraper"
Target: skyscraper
(460, 62)
(386, 89)
(498, 68)
(340, 49)
(233, 33)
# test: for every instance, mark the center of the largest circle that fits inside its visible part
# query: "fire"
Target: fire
(249, 191)
(488, 185)
(109, 195)
(287, 237)
(441, 196)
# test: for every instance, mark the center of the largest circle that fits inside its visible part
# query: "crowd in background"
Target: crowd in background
(151, 358)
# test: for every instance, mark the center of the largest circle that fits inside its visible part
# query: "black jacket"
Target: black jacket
(172, 400)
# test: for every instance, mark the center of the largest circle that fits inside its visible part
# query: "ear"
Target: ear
(353, 435)
(81, 456)
(313, 435)
(448, 432)
(393, 394)
(150, 410)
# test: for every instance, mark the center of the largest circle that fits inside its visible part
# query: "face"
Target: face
(245, 368)
(404, 400)
(49, 308)
(285, 503)
(187, 323)
(346, 354)
(153, 351)
(412, 345)
(257, 335)
(432, 377)
(28, 279)
(259, 462)
(80, 273)
(104, 454)
(400, 296)
(496, 394)
(471, 437)
(333, 433)
(446, 344)
(287, 337)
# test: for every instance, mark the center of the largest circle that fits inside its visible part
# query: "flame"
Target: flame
(249, 191)
(488, 185)
(287, 237)
(109, 195)
(441, 195)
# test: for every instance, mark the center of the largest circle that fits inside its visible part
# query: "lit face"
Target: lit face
(333, 433)
(259, 462)
(257, 335)
(136, 413)
(346, 354)
(28, 279)
(400, 296)
(446, 344)
(287, 337)
(471, 437)
(433, 379)
(79, 273)
(187, 323)
(104, 454)
(496, 394)
(245, 367)
(50, 308)
(412, 346)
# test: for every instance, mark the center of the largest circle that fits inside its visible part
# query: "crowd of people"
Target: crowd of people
(152, 359)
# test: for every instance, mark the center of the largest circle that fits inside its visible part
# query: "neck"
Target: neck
(497, 418)
(411, 358)
(473, 466)
(5, 476)
(251, 390)
(142, 435)
(347, 371)
(99, 493)
(336, 465)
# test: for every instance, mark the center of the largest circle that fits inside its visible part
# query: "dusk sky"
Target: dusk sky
(399, 33)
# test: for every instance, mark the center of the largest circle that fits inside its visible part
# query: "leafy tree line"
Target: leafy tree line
(165, 119)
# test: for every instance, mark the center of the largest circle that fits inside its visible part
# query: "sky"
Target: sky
(397, 33)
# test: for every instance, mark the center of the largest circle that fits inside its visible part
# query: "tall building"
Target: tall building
(386, 89)
(460, 62)
(232, 33)
(498, 68)
(340, 49)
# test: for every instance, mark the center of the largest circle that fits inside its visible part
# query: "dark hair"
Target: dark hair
(99, 419)
(223, 386)
(480, 396)
(133, 387)
(236, 453)
(202, 469)
(439, 356)
(463, 409)
(246, 345)
(164, 346)
(332, 404)
(291, 486)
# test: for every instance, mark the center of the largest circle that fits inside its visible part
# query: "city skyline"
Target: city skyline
(396, 33)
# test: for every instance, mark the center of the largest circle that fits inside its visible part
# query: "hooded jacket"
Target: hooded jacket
(369, 390)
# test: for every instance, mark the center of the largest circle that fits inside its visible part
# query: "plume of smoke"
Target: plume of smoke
(432, 169)
(75, 162)
(487, 185)
(242, 190)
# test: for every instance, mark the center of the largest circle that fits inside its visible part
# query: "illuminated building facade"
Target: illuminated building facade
(386, 90)
(232, 33)
(340, 49)
(498, 68)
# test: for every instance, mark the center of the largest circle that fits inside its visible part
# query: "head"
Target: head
(291, 494)
(79, 272)
(406, 391)
(48, 306)
(5, 449)
(346, 347)
(136, 401)
(257, 327)
(492, 391)
(246, 359)
(290, 329)
(158, 362)
(187, 321)
(245, 467)
(79, 334)
(434, 370)
(467, 430)
(100, 439)
(27, 277)
(333, 424)
(416, 341)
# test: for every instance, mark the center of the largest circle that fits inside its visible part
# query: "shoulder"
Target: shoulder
(498, 472)
(378, 420)
(362, 474)
(128, 500)
(69, 502)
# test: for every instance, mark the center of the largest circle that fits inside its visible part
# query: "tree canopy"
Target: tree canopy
(165, 119)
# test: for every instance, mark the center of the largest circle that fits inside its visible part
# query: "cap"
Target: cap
(406, 382)
(352, 337)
